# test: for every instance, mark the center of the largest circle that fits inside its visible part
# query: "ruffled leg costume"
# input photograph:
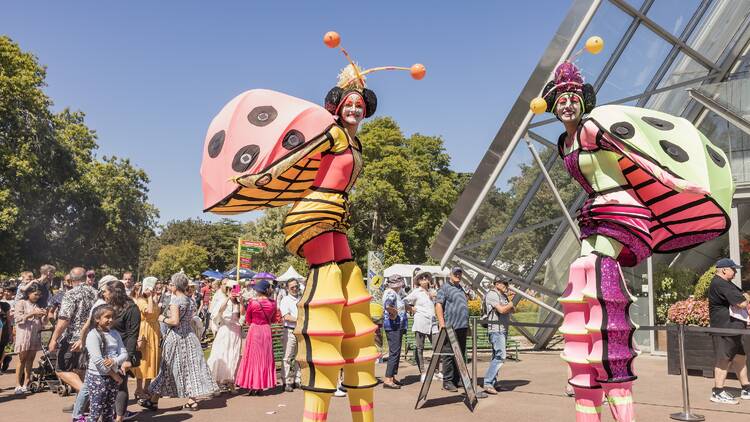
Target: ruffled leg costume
(599, 338)
(334, 330)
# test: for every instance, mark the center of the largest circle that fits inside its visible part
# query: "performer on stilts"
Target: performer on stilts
(654, 184)
(267, 149)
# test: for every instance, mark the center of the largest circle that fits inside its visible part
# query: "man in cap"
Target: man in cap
(497, 309)
(452, 310)
(728, 349)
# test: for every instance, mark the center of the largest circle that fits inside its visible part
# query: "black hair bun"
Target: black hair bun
(333, 98)
(371, 102)
(589, 98)
(336, 94)
(549, 98)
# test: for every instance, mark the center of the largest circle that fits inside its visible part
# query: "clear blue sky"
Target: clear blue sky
(150, 75)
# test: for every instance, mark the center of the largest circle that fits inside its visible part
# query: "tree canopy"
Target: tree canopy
(185, 256)
(59, 203)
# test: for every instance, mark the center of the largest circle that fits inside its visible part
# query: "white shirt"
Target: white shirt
(288, 306)
(424, 310)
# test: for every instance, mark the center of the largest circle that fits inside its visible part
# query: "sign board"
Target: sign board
(452, 349)
(245, 251)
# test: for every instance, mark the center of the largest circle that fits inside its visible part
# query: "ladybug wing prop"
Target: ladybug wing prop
(674, 170)
(262, 150)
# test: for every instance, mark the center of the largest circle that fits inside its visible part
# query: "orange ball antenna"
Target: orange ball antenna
(417, 71)
(332, 39)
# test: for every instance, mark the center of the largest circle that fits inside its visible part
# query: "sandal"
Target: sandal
(147, 404)
(192, 406)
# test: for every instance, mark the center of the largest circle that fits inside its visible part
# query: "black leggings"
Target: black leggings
(121, 400)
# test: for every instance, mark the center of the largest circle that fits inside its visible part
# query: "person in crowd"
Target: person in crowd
(91, 278)
(194, 295)
(183, 371)
(227, 344)
(127, 322)
(288, 309)
(164, 301)
(728, 349)
(395, 322)
(220, 288)
(56, 299)
(30, 318)
(7, 302)
(498, 307)
(25, 279)
(127, 279)
(210, 286)
(452, 310)
(148, 337)
(6, 326)
(257, 371)
(424, 317)
(74, 313)
(108, 358)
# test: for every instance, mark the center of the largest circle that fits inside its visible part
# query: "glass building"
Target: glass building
(685, 57)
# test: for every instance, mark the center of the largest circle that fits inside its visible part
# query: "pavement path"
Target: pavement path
(534, 393)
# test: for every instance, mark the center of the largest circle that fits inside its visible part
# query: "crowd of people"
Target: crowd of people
(105, 331)
(108, 330)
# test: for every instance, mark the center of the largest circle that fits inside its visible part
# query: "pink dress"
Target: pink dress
(28, 331)
(257, 369)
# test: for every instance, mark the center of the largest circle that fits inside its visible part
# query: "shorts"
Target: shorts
(727, 347)
(67, 361)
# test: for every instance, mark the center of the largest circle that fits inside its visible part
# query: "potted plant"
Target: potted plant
(670, 286)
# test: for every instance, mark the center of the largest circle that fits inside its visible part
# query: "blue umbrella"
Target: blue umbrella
(244, 273)
(213, 274)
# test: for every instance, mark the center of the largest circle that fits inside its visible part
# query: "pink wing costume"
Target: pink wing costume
(654, 184)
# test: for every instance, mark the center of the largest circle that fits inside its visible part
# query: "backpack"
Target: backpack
(485, 312)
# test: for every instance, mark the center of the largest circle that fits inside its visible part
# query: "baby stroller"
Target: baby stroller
(43, 377)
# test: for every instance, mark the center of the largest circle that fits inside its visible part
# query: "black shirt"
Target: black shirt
(722, 294)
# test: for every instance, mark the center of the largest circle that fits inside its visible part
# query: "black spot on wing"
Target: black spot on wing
(716, 157)
(262, 115)
(293, 139)
(658, 123)
(623, 130)
(245, 157)
(675, 151)
(216, 143)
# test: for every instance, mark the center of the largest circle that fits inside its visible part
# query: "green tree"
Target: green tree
(218, 238)
(58, 202)
(274, 258)
(393, 249)
(185, 256)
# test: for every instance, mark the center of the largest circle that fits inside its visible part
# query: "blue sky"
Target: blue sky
(150, 75)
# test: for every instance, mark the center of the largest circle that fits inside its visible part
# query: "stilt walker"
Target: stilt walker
(654, 184)
(267, 149)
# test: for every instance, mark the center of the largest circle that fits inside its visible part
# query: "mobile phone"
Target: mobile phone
(236, 289)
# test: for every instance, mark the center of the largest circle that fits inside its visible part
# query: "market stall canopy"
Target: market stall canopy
(213, 274)
(244, 273)
(290, 274)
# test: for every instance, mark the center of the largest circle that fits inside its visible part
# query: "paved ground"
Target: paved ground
(535, 384)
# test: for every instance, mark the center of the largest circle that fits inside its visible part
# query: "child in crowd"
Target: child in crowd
(106, 353)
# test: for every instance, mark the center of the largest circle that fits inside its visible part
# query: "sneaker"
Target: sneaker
(339, 393)
(745, 395)
(129, 415)
(439, 375)
(422, 377)
(19, 390)
(68, 409)
(490, 390)
(481, 394)
(448, 386)
(289, 388)
(723, 397)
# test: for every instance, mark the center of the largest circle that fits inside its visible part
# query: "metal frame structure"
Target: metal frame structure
(518, 125)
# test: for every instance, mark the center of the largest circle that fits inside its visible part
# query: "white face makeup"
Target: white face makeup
(353, 110)
(568, 108)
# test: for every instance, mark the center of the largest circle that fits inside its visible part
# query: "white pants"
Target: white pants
(290, 368)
